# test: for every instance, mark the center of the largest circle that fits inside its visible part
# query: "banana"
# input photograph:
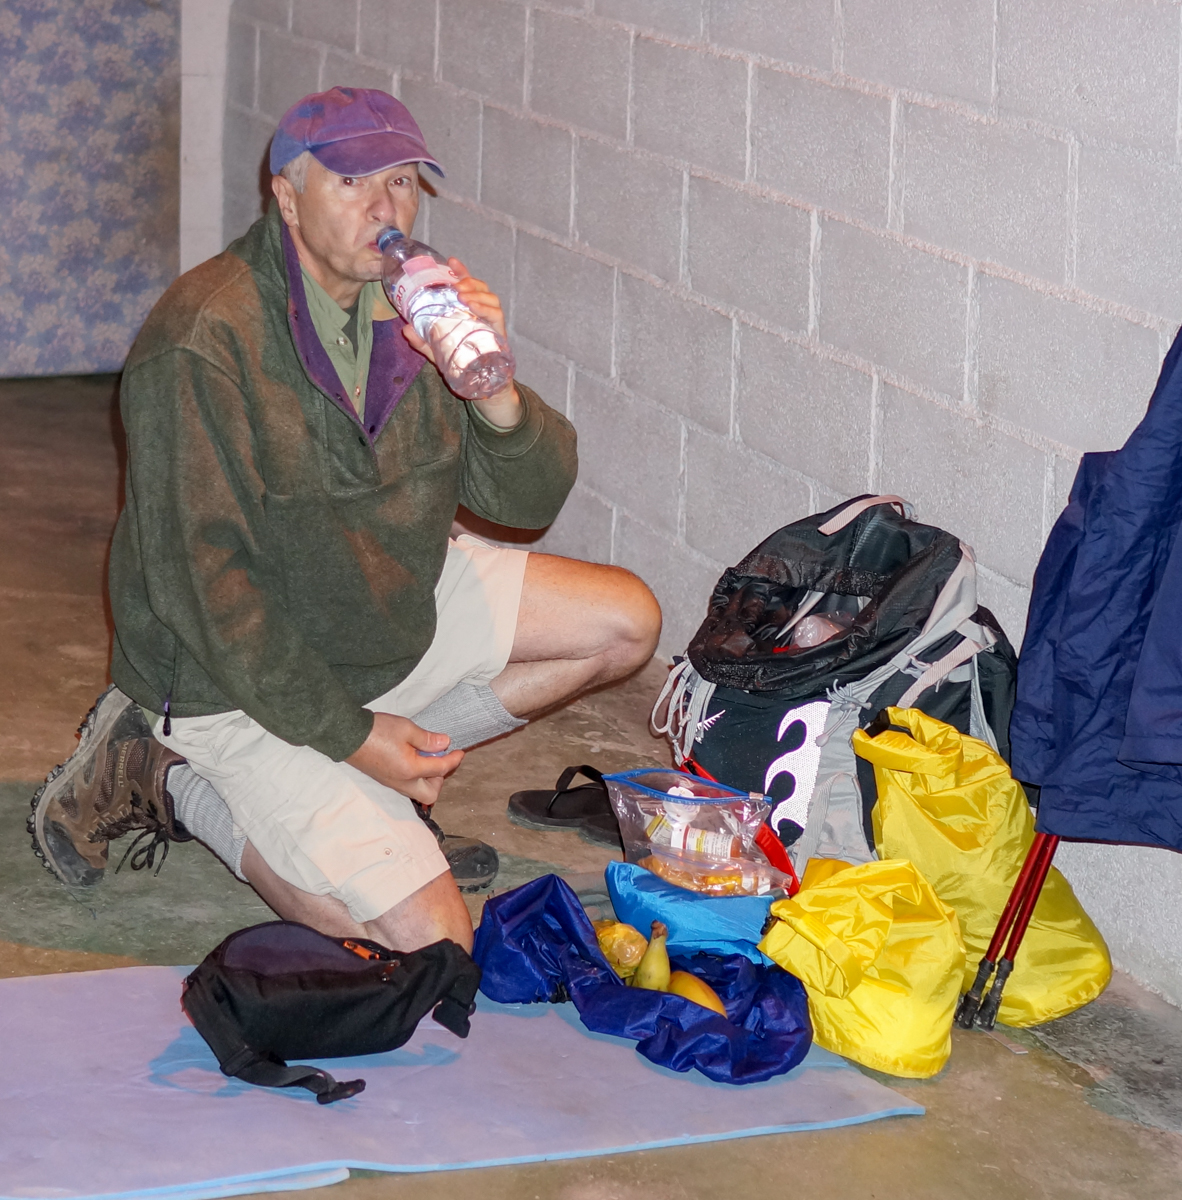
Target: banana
(622, 946)
(682, 983)
(653, 971)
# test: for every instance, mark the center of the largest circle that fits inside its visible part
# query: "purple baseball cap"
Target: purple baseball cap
(351, 131)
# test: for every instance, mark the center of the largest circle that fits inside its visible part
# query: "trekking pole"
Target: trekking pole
(988, 1012)
(970, 1002)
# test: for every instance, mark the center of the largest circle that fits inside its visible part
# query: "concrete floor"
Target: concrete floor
(1099, 1114)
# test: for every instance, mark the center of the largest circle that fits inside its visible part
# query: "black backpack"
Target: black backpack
(751, 707)
(282, 990)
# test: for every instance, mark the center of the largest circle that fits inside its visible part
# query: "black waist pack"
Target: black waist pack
(281, 990)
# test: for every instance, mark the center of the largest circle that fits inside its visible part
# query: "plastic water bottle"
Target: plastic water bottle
(473, 358)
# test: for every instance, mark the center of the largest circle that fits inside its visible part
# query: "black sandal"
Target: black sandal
(563, 806)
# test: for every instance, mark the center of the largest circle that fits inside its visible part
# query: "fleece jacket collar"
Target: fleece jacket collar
(393, 363)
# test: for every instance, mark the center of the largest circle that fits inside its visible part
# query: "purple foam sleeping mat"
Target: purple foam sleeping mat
(106, 1090)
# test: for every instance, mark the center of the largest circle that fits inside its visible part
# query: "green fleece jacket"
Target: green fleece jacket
(276, 553)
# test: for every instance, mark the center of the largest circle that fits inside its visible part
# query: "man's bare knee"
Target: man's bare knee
(579, 625)
(636, 628)
(435, 911)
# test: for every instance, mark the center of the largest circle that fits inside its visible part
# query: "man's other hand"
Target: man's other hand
(391, 756)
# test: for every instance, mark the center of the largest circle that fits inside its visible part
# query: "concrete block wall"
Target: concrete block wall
(774, 253)
(770, 254)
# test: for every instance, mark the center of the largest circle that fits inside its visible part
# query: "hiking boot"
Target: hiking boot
(113, 783)
(474, 864)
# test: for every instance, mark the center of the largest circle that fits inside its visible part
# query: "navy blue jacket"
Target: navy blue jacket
(1098, 720)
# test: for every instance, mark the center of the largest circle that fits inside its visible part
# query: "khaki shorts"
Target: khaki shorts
(324, 826)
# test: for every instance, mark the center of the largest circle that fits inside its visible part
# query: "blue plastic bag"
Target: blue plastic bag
(535, 943)
(714, 924)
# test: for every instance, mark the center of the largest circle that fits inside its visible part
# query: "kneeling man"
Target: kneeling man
(301, 650)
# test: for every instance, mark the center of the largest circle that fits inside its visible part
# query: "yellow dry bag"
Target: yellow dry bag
(948, 803)
(881, 959)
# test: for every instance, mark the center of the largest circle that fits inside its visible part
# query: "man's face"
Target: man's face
(337, 218)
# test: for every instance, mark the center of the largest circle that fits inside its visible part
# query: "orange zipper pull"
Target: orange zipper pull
(360, 950)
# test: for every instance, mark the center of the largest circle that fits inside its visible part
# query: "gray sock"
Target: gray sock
(205, 815)
(470, 713)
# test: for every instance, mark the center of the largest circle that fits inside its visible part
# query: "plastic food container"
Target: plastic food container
(694, 833)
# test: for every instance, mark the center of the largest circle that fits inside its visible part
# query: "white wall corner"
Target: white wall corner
(204, 34)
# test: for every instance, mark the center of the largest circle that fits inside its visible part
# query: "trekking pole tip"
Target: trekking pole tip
(970, 1002)
(987, 1016)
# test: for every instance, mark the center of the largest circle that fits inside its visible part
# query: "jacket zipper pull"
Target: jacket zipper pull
(167, 727)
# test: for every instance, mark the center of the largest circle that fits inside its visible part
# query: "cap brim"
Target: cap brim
(372, 152)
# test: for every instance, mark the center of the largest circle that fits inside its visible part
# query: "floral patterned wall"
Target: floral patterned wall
(89, 178)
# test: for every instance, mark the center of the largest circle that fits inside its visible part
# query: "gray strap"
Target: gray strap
(956, 604)
(939, 669)
(979, 727)
(857, 508)
(688, 695)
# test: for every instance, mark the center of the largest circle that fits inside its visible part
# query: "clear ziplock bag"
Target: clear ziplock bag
(694, 833)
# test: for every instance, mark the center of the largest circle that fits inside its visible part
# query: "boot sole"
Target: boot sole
(92, 728)
(477, 883)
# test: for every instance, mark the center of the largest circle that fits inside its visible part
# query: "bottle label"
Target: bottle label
(665, 829)
(420, 272)
(702, 841)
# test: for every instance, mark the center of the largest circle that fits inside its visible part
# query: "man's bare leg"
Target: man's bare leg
(435, 911)
(580, 625)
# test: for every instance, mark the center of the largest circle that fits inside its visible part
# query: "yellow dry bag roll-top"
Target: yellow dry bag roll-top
(881, 959)
(948, 803)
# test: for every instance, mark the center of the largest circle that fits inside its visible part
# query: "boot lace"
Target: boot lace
(145, 856)
(150, 826)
